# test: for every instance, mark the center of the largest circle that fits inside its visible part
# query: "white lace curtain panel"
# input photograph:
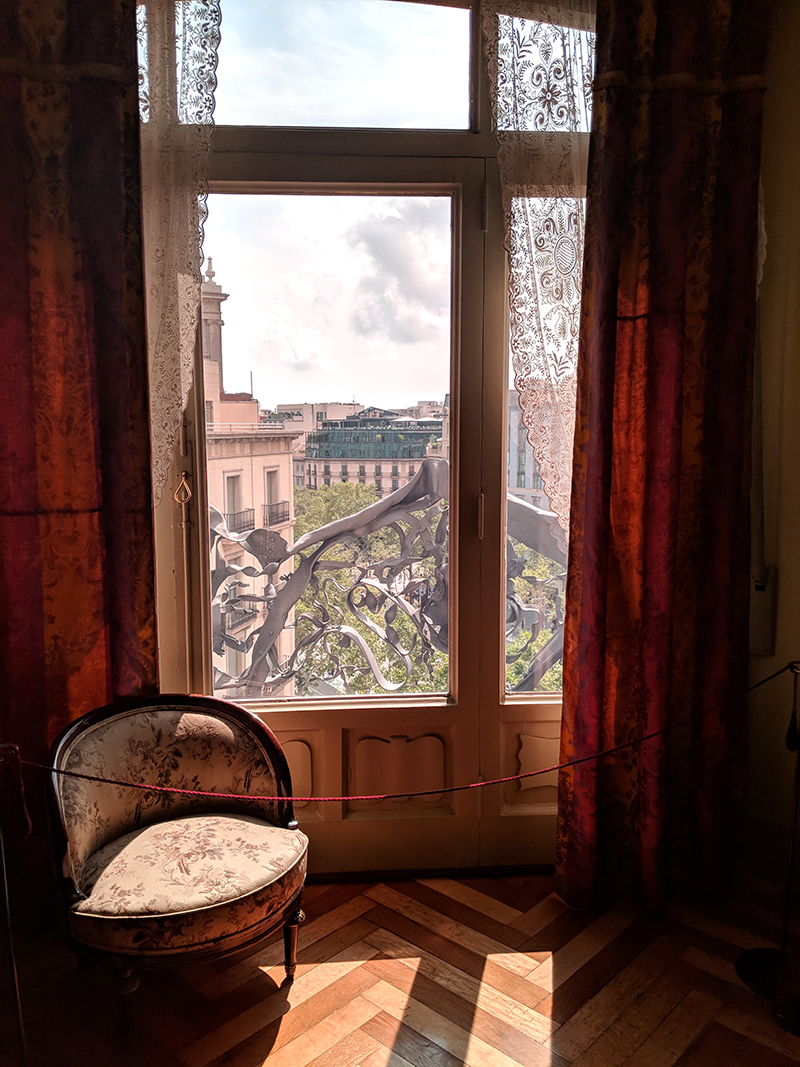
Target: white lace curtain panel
(178, 44)
(541, 60)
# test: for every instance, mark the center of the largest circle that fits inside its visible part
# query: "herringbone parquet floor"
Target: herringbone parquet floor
(427, 973)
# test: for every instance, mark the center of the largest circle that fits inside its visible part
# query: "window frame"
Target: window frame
(284, 159)
(482, 727)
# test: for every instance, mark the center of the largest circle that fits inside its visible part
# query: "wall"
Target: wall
(307, 422)
(770, 765)
(234, 414)
(251, 454)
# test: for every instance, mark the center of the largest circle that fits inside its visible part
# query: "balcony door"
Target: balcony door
(372, 629)
(350, 302)
(233, 497)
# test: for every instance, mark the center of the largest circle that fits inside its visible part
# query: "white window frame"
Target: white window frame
(463, 163)
(277, 483)
(228, 478)
(281, 159)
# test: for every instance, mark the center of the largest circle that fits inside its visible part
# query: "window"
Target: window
(235, 514)
(400, 162)
(475, 714)
(353, 61)
(270, 486)
(467, 442)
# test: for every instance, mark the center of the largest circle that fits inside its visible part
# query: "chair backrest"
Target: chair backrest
(196, 743)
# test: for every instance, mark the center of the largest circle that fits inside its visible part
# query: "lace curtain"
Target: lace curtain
(540, 61)
(178, 41)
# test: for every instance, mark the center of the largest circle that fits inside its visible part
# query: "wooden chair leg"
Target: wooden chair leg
(126, 980)
(290, 931)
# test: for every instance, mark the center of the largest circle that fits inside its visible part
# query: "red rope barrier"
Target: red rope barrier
(793, 665)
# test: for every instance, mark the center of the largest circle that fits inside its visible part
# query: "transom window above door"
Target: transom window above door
(369, 64)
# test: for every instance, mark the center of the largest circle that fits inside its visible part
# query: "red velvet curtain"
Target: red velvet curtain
(658, 588)
(77, 622)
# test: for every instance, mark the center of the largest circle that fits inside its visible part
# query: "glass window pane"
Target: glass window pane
(360, 63)
(336, 322)
(536, 571)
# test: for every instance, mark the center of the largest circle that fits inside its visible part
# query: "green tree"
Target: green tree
(542, 584)
(314, 508)
(325, 599)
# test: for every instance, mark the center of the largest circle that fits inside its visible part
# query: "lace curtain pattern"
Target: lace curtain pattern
(540, 60)
(178, 44)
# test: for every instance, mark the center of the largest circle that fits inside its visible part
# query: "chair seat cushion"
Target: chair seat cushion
(189, 883)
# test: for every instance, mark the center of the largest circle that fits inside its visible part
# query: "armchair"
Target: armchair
(157, 877)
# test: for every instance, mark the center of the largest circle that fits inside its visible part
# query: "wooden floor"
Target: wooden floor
(432, 973)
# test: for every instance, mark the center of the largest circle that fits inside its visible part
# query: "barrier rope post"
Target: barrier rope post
(793, 745)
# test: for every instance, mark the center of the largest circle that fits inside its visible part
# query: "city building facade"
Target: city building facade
(374, 446)
(249, 472)
(524, 479)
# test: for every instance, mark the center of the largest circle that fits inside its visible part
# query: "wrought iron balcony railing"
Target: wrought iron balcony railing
(275, 514)
(239, 521)
(236, 617)
(360, 604)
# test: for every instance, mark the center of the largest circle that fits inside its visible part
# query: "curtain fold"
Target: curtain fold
(76, 549)
(178, 44)
(540, 59)
(658, 583)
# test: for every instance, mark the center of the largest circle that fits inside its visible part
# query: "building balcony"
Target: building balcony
(239, 521)
(275, 514)
(236, 617)
(391, 449)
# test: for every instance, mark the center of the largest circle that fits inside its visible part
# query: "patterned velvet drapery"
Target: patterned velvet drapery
(657, 604)
(77, 625)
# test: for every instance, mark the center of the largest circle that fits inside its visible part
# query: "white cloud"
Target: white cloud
(297, 346)
(404, 290)
(333, 297)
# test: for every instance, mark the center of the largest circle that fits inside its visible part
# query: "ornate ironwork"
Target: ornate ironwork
(275, 514)
(366, 598)
(239, 521)
(534, 600)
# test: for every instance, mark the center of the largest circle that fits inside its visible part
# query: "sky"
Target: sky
(367, 63)
(333, 298)
(337, 297)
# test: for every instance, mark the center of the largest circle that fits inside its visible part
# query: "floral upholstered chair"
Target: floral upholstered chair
(170, 877)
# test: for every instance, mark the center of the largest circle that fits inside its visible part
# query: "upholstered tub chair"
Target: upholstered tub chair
(159, 877)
